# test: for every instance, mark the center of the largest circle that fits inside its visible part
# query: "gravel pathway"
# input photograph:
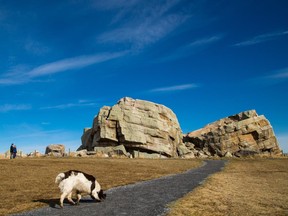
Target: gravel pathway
(147, 198)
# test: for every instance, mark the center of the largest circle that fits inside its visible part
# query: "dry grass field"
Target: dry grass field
(29, 183)
(244, 187)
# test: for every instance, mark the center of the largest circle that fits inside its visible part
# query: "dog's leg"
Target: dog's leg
(69, 197)
(62, 197)
(78, 198)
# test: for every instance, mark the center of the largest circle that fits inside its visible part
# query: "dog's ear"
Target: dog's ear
(101, 195)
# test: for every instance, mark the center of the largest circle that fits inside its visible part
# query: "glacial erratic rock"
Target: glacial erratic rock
(138, 125)
(243, 134)
(142, 129)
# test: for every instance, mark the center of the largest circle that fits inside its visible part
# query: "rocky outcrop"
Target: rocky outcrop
(243, 134)
(140, 126)
(57, 150)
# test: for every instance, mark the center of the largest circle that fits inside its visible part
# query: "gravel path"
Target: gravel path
(148, 198)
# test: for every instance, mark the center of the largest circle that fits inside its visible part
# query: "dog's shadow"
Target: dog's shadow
(54, 203)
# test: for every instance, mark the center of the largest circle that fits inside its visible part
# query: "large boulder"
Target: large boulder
(57, 150)
(136, 124)
(243, 134)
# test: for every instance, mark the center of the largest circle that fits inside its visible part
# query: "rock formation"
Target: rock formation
(57, 150)
(140, 126)
(239, 135)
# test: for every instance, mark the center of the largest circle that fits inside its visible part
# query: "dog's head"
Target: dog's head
(97, 193)
(101, 195)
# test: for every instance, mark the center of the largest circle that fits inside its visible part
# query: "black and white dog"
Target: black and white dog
(79, 182)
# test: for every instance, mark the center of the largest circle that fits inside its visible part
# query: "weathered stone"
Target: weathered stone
(82, 153)
(57, 150)
(103, 150)
(150, 130)
(112, 150)
(182, 150)
(245, 153)
(201, 154)
(135, 124)
(228, 155)
(190, 155)
(139, 154)
(242, 134)
(86, 137)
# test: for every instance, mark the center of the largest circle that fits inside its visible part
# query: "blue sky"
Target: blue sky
(61, 61)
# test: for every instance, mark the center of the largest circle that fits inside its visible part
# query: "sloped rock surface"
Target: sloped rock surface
(243, 134)
(136, 124)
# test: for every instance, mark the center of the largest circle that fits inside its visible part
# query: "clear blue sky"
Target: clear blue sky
(61, 61)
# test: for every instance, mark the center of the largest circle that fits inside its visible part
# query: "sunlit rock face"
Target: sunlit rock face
(242, 134)
(138, 125)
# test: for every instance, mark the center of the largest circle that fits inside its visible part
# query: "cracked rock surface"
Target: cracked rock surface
(137, 125)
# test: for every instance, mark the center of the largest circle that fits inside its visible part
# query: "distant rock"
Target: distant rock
(81, 153)
(34, 154)
(3, 156)
(243, 134)
(57, 150)
(138, 125)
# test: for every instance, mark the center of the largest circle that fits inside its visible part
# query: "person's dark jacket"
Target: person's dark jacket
(11, 149)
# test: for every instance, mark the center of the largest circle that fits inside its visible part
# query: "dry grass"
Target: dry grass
(29, 183)
(245, 187)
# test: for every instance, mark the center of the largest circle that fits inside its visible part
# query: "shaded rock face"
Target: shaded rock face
(136, 124)
(243, 134)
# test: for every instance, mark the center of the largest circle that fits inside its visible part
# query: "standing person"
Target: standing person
(11, 150)
(14, 151)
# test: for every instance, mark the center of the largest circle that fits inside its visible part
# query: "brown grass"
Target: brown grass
(29, 183)
(245, 187)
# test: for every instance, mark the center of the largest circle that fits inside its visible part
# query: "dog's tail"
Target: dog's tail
(59, 178)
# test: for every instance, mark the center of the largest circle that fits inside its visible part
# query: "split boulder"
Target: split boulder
(137, 125)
